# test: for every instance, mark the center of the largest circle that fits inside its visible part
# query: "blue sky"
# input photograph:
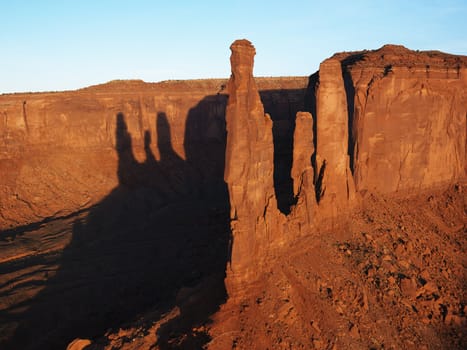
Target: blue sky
(68, 44)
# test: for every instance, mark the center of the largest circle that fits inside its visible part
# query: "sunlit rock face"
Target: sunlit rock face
(387, 120)
(336, 184)
(249, 166)
(408, 117)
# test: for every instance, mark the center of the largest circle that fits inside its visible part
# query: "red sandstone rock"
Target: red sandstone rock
(58, 150)
(249, 165)
(312, 291)
(78, 344)
(337, 186)
(303, 149)
(302, 172)
(406, 110)
(409, 117)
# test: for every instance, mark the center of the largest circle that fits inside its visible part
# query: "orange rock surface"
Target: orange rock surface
(249, 166)
(408, 117)
(58, 150)
(336, 185)
(320, 213)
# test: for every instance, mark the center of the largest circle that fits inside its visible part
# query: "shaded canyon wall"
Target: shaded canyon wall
(62, 152)
(385, 120)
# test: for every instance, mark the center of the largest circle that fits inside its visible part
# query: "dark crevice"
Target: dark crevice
(282, 106)
(350, 95)
(310, 106)
(388, 69)
(319, 188)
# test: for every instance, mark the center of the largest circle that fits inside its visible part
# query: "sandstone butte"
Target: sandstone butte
(170, 204)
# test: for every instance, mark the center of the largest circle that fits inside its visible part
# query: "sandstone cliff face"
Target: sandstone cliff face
(388, 120)
(61, 152)
(408, 114)
(145, 162)
(385, 120)
(148, 163)
(391, 119)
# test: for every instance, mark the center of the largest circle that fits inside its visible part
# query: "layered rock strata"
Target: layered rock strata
(408, 114)
(387, 120)
(64, 151)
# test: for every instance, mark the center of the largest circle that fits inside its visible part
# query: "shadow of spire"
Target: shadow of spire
(134, 250)
(159, 239)
(127, 163)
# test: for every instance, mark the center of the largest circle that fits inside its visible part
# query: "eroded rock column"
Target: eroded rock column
(248, 170)
(303, 173)
(335, 183)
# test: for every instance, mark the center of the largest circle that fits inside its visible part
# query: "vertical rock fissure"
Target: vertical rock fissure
(319, 187)
(350, 96)
(310, 105)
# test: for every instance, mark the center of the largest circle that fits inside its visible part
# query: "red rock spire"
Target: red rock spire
(249, 166)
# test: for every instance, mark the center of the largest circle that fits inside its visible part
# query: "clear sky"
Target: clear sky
(68, 44)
